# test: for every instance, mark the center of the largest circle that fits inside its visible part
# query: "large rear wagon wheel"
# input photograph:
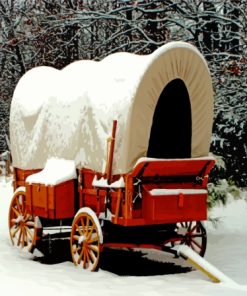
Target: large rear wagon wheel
(193, 235)
(22, 228)
(85, 240)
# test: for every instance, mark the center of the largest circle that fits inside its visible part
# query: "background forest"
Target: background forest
(57, 32)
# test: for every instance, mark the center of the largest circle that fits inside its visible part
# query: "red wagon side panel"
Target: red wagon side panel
(54, 202)
(170, 207)
(21, 175)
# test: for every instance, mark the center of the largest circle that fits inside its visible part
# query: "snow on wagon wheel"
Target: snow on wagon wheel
(22, 229)
(193, 235)
(85, 239)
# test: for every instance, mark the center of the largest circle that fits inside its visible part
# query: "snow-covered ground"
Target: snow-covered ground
(21, 274)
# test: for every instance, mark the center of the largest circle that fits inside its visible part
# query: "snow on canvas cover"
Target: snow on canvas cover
(69, 113)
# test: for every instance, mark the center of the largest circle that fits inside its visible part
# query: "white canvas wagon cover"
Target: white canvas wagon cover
(68, 113)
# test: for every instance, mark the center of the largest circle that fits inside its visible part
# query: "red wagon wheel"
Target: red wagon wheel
(22, 229)
(193, 235)
(85, 239)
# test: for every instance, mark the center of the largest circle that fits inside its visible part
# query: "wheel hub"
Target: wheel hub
(81, 239)
(19, 220)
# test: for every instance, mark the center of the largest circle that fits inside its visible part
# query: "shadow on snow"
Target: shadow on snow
(123, 262)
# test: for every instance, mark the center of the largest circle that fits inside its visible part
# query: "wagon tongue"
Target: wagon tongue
(203, 265)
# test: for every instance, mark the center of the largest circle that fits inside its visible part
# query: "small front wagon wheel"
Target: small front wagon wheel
(85, 239)
(22, 228)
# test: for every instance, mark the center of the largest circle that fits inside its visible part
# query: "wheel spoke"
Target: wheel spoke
(87, 226)
(13, 221)
(27, 216)
(81, 254)
(180, 224)
(25, 237)
(76, 237)
(15, 231)
(76, 249)
(22, 237)
(93, 240)
(89, 234)
(87, 258)
(78, 229)
(93, 257)
(18, 204)
(19, 237)
(16, 211)
(193, 229)
(25, 240)
(84, 259)
(83, 226)
(191, 246)
(29, 233)
(30, 223)
(196, 243)
(28, 238)
(93, 248)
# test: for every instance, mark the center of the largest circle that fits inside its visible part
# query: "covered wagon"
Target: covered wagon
(118, 150)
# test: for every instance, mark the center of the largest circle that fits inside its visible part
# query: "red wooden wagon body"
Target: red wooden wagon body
(153, 192)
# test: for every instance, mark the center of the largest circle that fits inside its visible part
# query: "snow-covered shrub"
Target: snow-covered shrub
(219, 188)
(219, 193)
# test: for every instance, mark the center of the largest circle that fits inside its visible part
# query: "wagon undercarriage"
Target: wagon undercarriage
(160, 237)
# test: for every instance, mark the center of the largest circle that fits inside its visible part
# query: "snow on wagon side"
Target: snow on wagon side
(116, 149)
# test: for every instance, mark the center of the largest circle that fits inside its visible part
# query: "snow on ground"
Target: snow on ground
(20, 274)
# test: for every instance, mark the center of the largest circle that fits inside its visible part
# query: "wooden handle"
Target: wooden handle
(111, 153)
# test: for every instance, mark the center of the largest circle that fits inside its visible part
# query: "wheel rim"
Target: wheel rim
(193, 235)
(22, 228)
(85, 242)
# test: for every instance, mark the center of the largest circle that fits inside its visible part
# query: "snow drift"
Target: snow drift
(68, 113)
